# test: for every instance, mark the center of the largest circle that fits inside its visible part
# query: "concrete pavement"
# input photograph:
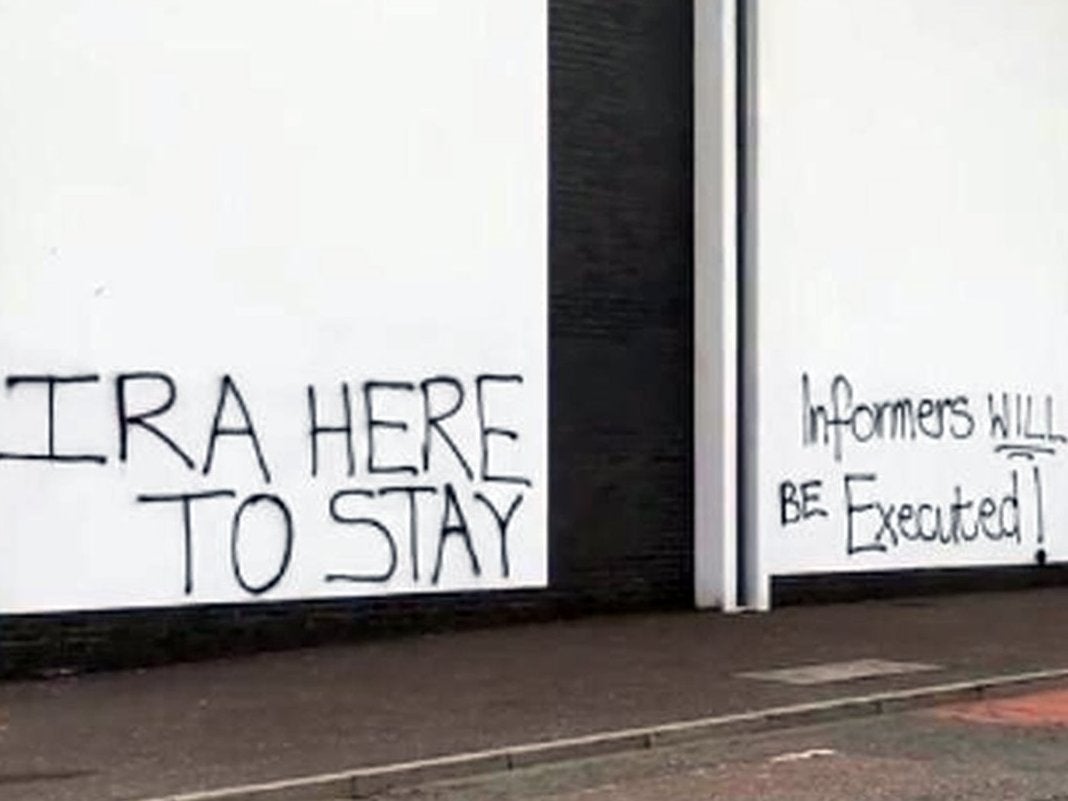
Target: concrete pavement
(196, 727)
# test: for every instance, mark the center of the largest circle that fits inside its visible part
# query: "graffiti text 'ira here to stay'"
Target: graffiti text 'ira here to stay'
(428, 472)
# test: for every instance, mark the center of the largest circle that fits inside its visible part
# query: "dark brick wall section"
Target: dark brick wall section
(912, 584)
(621, 296)
(620, 376)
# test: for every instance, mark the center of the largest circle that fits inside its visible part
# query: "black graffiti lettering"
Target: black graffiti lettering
(487, 431)
(338, 517)
(503, 521)
(252, 502)
(929, 418)
(433, 420)
(993, 517)
(799, 502)
(128, 420)
(906, 514)
(51, 454)
(957, 510)
(1000, 416)
(454, 529)
(1014, 415)
(810, 498)
(962, 423)
(855, 510)
(413, 519)
(815, 425)
(317, 430)
(986, 511)
(896, 419)
(228, 389)
(1052, 434)
(1028, 431)
(886, 523)
(934, 533)
(1040, 521)
(863, 423)
(187, 499)
(789, 505)
(846, 418)
(1011, 503)
(263, 528)
(376, 423)
(842, 403)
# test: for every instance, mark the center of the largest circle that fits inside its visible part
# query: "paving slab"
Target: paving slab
(192, 727)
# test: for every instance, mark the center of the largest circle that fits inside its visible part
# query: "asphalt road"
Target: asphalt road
(1008, 750)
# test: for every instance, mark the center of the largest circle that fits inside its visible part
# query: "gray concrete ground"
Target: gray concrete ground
(200, 726)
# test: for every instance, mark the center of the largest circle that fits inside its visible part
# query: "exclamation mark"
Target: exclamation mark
(1040, 554)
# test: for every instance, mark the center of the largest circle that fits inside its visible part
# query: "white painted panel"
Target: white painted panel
(911, 256)
(715, 307)
(289, 194)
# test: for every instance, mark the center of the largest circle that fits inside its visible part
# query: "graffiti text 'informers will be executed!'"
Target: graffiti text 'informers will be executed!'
(878, 519)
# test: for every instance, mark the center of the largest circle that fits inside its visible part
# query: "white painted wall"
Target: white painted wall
(291, 194)
(911, 193)
(715, 309)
